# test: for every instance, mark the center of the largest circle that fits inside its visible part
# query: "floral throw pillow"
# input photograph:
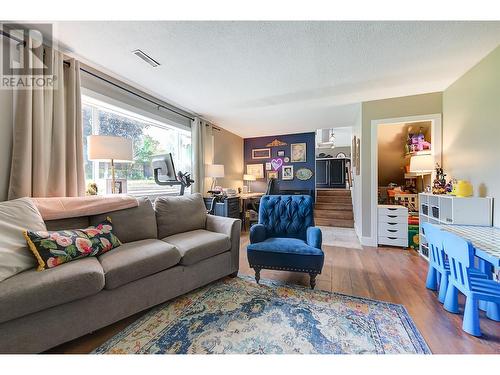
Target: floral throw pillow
(54, 248)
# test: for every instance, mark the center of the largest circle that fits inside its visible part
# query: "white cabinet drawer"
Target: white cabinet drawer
(391, 218)
(393, 241)
(399, 230)
(395, 210)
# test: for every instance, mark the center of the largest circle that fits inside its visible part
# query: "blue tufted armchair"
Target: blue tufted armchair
(285, 237)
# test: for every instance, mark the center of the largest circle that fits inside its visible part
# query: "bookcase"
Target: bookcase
(448, 209)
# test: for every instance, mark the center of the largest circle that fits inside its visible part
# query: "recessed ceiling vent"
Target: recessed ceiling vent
(146, 58)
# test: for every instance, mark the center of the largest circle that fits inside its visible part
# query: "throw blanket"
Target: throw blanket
(66, 207)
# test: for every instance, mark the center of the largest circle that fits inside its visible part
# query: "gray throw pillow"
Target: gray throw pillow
(180, 214)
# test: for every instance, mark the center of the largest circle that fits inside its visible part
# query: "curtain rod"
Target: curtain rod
(134, 93)
(6, 34)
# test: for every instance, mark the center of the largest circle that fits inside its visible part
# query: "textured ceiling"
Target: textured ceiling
(262, 78)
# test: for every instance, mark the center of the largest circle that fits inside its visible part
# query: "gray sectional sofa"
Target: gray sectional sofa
(167, 251)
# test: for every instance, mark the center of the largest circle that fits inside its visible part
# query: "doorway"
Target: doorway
(397, 157)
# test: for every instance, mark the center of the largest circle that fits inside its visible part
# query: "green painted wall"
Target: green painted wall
(471, 128)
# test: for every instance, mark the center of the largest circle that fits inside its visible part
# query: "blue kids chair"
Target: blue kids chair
(285, 237)
(439, 268)
(461, 259)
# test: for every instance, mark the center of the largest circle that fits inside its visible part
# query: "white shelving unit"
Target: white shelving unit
(448, 209)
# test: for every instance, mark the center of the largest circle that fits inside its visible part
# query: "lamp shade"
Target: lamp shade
(249, 177)
(105, 148)
(422, 164)
(214, 170)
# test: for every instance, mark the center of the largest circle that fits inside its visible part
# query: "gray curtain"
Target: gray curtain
(47, 152)
(203, 153)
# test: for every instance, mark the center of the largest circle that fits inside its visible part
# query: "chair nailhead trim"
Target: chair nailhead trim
(284, 269)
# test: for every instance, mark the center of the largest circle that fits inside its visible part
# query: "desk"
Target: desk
(245, 199)
(486, 241)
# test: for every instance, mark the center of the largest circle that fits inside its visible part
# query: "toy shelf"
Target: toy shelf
(448, 209)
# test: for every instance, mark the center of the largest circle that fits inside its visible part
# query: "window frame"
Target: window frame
(100, 102)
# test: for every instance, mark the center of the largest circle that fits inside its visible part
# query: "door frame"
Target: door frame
(436, 151)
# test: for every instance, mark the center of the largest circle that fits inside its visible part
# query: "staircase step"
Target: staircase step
(335, 192)
(333, 206)
(332, 214)
(335, 222)
(333, 199)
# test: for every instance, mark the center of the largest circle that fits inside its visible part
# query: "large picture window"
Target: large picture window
(149, 137)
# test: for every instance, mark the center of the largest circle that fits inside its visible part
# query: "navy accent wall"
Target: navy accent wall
(260, 142)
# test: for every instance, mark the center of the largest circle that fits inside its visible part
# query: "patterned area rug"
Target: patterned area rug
(237, 316)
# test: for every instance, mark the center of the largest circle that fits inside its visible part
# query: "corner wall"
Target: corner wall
(471, 129)
(228, 150)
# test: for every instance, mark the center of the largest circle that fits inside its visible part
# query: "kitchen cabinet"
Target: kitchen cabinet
(331, 173)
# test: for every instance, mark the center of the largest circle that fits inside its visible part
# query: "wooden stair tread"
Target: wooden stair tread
(344, 223)
(333, 199)
(333, 206)
(329, 214)
(334, 192)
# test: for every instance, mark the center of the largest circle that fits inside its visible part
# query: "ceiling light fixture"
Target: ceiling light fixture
(146, 58)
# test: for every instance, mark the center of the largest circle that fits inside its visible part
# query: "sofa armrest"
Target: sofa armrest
(231, 228)
(314, 237)
(257, 233)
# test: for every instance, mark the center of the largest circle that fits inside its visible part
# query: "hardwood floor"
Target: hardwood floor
(387, 274)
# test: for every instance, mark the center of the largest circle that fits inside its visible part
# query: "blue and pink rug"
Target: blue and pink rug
(237, 316)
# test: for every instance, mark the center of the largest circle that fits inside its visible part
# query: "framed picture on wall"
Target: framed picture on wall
(256, 170)
(261, 153)
(281, 153)
(358, 156)
(268, 166)
(353, 152)
(298, 152)
(120, 186)
(272, 174)
(287, 172)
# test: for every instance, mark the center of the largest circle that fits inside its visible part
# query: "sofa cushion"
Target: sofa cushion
(132, 224)
(169, 210)
(16, 216)
(69, 223)
(199, 244)
(138, 259)
(33, 291)
(52, 249)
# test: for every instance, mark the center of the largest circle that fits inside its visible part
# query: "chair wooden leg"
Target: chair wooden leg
(312, 280)
(471, 317)
(257, 274)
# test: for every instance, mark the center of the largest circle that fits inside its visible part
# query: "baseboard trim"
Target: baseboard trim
(368, 241)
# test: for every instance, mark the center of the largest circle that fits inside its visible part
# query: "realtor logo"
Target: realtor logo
(26, 54)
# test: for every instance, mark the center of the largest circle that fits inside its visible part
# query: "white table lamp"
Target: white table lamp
(214, 171)
(422, 165)
(249, 177)
(108, 148)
